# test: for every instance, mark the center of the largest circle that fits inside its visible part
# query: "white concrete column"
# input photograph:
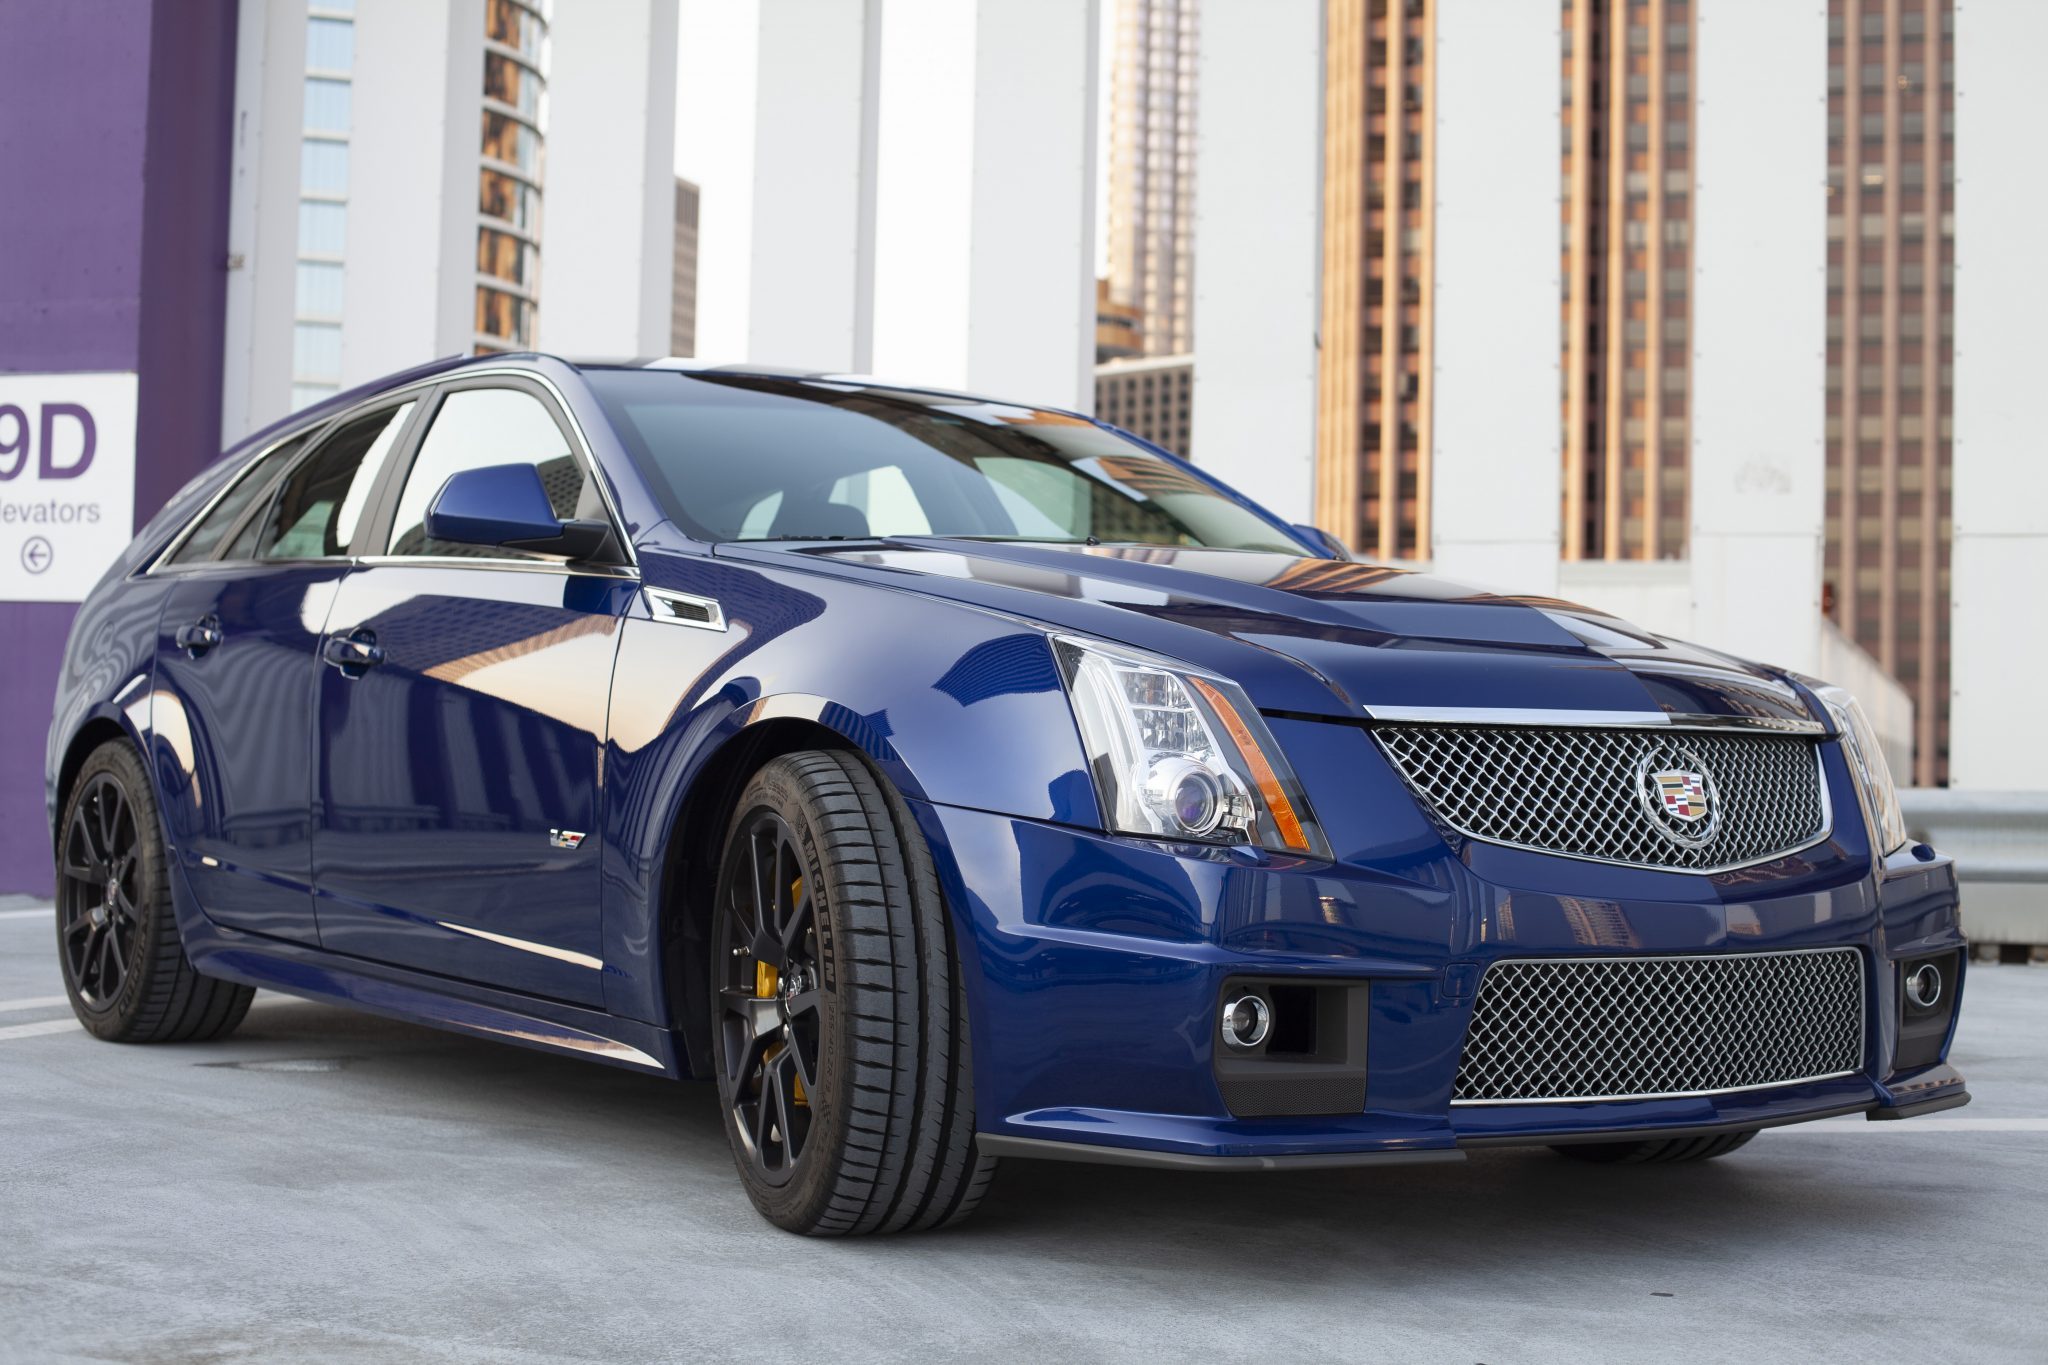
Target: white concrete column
(263, 215)
(1493, 480)
(608, 256)
(717, 76)
(409, 282)
(1760, 328)
(811, 251)
(985, 220)
(1258, 201)
(1998, 653)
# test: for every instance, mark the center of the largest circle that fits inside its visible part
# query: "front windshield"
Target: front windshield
(746, 457)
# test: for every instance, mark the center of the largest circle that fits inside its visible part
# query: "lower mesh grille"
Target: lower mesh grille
(1638, 1027)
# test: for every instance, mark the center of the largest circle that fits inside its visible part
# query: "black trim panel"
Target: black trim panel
(1647, 1134)
(1919, 1107)
(1045, 1149)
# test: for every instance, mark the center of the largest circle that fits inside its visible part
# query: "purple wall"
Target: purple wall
(115, 125)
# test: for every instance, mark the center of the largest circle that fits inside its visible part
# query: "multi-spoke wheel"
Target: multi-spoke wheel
(770, 1029)
(117, 938)
(841, 1029)
(98, 924)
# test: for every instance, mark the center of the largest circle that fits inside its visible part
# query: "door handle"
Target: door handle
(200, 636)
(354, 653)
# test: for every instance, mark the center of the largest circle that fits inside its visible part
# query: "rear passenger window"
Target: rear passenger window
(477, 428)
(251, 484)
(315, 513)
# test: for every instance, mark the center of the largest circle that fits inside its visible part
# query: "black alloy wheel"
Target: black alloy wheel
(771, 1026)
(99, 926)
(839, 1017)
(124, 965)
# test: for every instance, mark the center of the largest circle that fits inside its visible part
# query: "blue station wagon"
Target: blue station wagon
(948, 780)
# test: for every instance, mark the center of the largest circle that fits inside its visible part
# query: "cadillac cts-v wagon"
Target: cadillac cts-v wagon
(948, 780)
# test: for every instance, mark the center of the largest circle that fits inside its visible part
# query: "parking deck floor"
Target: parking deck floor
(325, 1186)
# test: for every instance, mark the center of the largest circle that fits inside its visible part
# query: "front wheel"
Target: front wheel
(124, 965)
(840, 1019)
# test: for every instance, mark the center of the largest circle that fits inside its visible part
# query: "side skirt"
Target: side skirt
(480, 1012)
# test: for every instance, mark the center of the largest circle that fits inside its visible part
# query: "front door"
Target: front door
(462, 704)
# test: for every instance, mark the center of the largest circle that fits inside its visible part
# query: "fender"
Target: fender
(694, 710)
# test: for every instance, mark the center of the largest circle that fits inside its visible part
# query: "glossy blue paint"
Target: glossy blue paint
(444, 768)
(499, 505)
(378, 822)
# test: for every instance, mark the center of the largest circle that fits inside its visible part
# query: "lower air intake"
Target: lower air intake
(1611, 1028)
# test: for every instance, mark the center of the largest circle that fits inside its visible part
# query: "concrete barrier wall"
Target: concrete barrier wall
(2000, 843)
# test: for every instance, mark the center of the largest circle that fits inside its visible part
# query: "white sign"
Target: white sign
(67, 482)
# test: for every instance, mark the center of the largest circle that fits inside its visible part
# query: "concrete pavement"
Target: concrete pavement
(326, 1186)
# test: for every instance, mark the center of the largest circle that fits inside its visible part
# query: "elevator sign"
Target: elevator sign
(67, 482)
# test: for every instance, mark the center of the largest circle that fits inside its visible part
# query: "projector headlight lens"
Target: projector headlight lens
(1178, 754)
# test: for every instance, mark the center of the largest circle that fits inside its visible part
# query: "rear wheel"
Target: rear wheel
(1656, 1151)
(840, 1026)
(125, 968)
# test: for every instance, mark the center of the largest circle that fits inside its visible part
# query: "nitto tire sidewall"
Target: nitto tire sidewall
(804, 1197)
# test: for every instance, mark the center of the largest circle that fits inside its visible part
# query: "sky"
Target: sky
(715, 52)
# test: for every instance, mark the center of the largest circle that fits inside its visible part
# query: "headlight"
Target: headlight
(1866, 760)
(1177, 754)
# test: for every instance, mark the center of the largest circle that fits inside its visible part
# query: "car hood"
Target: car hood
(1325, 636)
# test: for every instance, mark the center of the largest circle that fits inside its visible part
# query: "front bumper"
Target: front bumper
(1096, 964)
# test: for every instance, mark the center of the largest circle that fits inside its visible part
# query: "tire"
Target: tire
(1655, 1151)
(840, 1034)
(124, 965)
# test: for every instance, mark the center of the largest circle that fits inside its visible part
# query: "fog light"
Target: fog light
(1246, 1021)
(1923, 985)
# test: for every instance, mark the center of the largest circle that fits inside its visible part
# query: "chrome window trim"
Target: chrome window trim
(1589, 720)
(309, 429)
(622, 572)
(656, 597)
(177, 542)
(1862, 1012)
(1827, 822)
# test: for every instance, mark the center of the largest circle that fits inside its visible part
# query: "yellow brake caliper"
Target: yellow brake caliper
(767, 981)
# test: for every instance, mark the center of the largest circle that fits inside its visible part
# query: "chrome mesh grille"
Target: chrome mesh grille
(1587, 792)
(1630, 1027)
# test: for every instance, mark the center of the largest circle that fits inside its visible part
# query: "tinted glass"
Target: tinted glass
(477, 428)
(316, 510)
(749, 458)
(247, 488)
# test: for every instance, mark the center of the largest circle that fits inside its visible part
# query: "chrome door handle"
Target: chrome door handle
(354, 653)
(200, 636)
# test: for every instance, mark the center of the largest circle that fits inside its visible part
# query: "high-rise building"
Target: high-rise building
(1373, 401)
(323, 203)
(682, 326)
(391, 164)
(1152, 169)
(1149, 396)
(1627, 269)
(1891, 278)
(509, 179)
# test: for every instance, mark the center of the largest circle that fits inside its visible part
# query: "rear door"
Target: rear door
(236, 670)
(457, 754)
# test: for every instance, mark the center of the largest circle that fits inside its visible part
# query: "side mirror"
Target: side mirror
(1316, 535)
(505, 505)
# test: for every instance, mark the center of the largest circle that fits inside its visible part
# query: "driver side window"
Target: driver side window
(477, 428)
